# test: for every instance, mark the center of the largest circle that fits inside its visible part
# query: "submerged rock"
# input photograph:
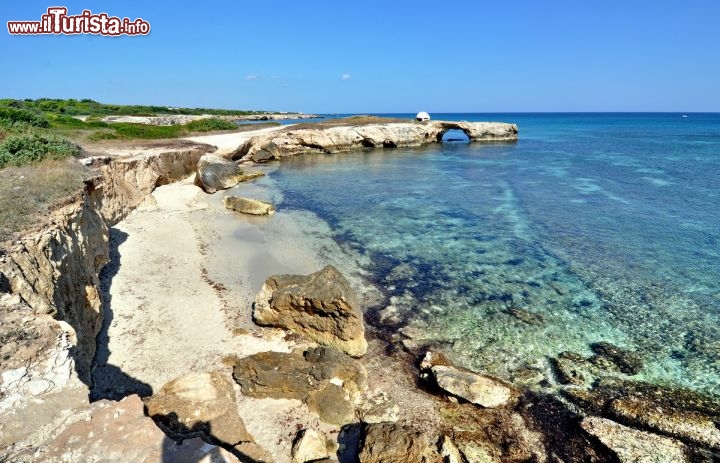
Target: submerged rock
(216, 173)
(199, 404)
(248, 206)
(631, 445)
(321, 306)
(680, 413)
(624, 360)
(572, 368)
(392, 443)
(526, 316)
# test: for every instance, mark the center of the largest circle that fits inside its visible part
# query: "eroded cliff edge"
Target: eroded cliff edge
(55, 270)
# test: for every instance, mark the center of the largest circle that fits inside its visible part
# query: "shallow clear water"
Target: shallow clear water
(595, 227)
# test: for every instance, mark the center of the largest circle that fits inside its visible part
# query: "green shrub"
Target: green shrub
(15, 117)
(68, 122)
(209, 125)
(24, 149)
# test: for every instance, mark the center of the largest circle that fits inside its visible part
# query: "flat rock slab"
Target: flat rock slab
(321, 306)
(634, 446)
(478, 389)
(120, 432)
(199, 404)
(248, 206)
(680, 413)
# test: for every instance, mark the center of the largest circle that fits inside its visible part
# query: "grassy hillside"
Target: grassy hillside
(35, 130)
(88, 107)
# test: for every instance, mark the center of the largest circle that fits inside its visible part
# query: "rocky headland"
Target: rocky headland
(121, 341)
(371, 133)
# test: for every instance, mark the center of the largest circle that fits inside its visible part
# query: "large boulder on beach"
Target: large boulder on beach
(215, 173)
(327, 380)
(199, 404)
(248, 206)
(321, 306)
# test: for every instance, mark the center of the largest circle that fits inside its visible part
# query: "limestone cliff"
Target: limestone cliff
(339, 138)
(55, 270)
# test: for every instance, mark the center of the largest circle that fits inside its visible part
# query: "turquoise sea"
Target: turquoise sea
(591, 227)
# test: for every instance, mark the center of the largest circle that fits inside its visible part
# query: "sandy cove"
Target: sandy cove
(179, 298)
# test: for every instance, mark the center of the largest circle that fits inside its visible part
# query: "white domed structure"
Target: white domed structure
(422, 116)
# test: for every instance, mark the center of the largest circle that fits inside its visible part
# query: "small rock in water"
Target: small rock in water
(572, 368)
(626, 361)
(526, 316)
(248, 206)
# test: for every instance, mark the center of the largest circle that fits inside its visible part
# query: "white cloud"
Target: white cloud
(251, 77)
(346, 77)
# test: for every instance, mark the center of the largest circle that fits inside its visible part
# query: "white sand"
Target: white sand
(181, 297)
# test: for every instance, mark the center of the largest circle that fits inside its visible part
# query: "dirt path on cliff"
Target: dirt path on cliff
(229, 142)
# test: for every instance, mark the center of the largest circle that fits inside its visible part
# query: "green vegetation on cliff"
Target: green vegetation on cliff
(34, 130)
(86, 107)
(28, 148)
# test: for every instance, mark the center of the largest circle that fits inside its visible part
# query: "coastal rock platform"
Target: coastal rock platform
(362, 133)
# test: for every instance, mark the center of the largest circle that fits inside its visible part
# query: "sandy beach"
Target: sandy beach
(179, 296)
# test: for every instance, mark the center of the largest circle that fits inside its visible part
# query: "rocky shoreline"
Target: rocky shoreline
(331, 388)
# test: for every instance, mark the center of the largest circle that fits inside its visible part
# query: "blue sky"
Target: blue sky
(380, 56)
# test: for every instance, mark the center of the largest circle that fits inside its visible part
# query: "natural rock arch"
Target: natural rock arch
(443, 127)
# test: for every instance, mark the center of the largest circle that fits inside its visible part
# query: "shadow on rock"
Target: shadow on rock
(349, 441)
(198, 444)
(109, 381)
(562, 434)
